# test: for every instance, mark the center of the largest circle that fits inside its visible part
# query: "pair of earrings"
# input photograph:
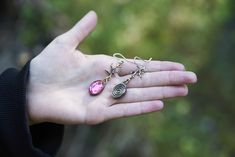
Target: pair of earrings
(120, 89)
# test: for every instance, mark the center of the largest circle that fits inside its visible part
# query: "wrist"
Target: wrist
(33, 101)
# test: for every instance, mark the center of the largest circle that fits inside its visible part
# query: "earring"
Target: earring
(96, 87)
(120, 89)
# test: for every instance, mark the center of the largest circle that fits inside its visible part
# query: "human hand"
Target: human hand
(61, 75)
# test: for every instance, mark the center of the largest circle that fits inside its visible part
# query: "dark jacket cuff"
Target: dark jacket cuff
(16, 137)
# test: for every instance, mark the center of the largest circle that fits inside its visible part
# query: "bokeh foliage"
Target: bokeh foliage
(198, 33)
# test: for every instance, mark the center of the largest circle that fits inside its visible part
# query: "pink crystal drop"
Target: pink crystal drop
(96, 87)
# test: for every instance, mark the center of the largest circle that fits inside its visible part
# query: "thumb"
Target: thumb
(79, 32)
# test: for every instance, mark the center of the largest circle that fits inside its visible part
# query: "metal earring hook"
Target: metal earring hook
(121, 56)
(141, 67)
(145, 61)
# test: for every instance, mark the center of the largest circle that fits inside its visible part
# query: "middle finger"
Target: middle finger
(162, 78)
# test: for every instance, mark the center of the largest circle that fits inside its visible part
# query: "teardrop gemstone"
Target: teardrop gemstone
(96, 87)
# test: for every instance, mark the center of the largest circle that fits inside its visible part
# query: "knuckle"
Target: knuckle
(162, 93)
(170, 77)
(81, 33)
(59, 40)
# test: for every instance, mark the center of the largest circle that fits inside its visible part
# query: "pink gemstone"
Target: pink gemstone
(96, 87)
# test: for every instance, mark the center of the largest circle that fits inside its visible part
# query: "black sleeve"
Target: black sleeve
(16, 137)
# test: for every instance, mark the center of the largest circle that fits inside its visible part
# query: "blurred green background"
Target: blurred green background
(197, 33)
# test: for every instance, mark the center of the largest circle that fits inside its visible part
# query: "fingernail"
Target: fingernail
(193, 77)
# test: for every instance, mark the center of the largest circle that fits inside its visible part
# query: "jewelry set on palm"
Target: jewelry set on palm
(120, 89)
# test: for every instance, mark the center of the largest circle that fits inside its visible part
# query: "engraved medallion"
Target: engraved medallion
(119, 90)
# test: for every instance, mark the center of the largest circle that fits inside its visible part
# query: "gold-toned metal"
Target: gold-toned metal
(113, 70)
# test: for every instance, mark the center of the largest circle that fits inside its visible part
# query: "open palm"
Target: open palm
(60, 77)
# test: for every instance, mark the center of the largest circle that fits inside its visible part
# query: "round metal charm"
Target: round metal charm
(119, 90)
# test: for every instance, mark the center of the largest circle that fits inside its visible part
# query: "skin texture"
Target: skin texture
(60, 77)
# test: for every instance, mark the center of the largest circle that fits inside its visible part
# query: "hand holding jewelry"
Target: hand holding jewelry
(119, 90)
(60, 77)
